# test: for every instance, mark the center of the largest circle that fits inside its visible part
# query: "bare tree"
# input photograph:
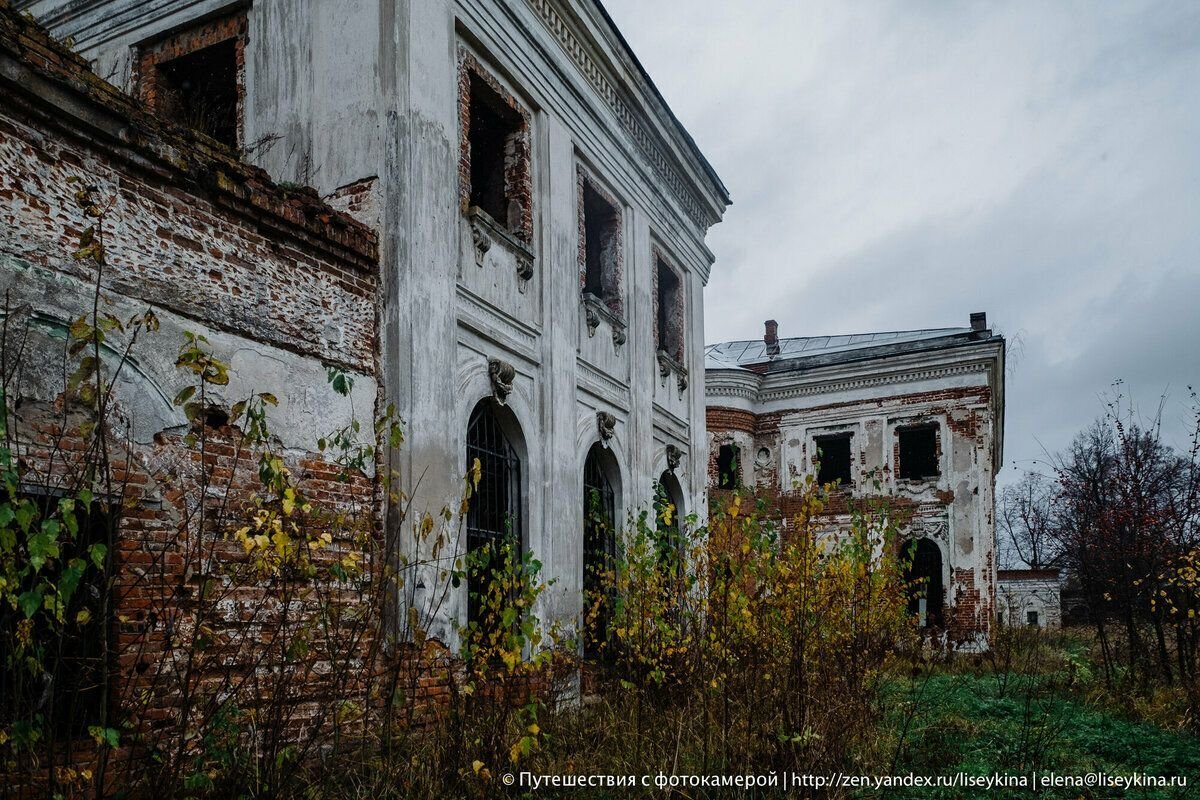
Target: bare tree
(1127, 525)
(1025, 515)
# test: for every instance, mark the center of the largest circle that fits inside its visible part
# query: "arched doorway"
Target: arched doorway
(494, 510)
(600, 484)
(923, 577)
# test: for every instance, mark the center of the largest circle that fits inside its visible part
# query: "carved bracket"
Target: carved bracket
(594, 310)
(502, 374)
(481, 240)
(607, 424)
(667, 365)
(592, 317)
(524, 269)
(674, 456)
(486, 232)
(665, 362)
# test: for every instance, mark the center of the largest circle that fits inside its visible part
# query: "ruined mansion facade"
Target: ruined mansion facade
(916, 416)
(479, 213)
(521, 217)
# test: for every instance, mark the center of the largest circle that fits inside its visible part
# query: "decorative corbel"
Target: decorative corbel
(664, 363)
(607, 424)
(481, 240)
(592, 317)
(618, 331)
(524, 269)
(674, 456)
(502, 374)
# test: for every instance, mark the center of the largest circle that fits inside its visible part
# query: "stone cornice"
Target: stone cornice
(701, 213)
(786, 386)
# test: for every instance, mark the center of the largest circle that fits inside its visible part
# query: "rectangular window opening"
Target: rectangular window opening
(670, 312)
(918, 453)
(1032, 618)
(201, 91)
(602, 238)
(833, 454)
(492, 134)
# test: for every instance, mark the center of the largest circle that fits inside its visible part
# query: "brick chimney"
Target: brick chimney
(978, 323)
(771, 337)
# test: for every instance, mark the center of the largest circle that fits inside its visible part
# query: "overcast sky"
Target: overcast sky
(897, 165)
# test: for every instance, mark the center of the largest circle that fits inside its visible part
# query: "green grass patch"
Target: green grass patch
(978, 724)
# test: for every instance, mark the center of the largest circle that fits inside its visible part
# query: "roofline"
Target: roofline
(835, 335)
(753, 380)
(874, 352)
(722, 191)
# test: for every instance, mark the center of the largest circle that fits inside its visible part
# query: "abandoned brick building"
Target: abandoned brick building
(525, 235)
(922, 411)
(505, 243)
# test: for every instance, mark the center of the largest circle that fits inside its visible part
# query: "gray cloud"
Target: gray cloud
(900, 164)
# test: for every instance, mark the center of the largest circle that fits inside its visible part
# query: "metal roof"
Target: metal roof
(828, 349)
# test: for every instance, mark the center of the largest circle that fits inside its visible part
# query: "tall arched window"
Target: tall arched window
(599, 548)
(668, 508)
(494, 512)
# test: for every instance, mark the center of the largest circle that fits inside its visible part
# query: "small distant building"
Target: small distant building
(1029, 597)
(921, 412)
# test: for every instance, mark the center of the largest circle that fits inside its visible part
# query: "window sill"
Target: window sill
(666, 365)
(595, 310)
(486, 231)
(918, 483)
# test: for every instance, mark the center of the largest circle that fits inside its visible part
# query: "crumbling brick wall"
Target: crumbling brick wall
(951, 510)
(282, 284)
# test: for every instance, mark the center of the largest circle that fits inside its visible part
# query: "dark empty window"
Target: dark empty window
(602, 244)
(599, 554)
(492, 134)
(923, 582)
(727, 467)
(494, 512)
(1032, 618)
(68, 689)
(918, 453)
(833, 454)
(670, 311)
(200, 90)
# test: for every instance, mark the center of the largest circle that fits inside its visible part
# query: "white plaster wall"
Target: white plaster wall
(367, 88)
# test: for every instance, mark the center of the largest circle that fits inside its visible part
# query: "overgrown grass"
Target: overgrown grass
(966, 717)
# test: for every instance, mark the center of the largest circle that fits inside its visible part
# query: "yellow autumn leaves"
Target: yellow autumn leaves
(278, 536)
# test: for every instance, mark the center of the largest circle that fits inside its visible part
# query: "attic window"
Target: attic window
(494, 165)
(600, 244)
(727, 467)
(195, 78)
(668, 310)
(833, 455)
(918, 453)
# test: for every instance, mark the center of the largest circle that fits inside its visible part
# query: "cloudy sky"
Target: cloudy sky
(897, 165)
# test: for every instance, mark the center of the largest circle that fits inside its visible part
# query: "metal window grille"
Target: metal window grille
(599, 554)
(494, 513)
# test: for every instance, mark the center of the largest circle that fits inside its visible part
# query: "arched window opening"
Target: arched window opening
(494, 512)
(599, 552)
(668, 507)
(923, 577)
